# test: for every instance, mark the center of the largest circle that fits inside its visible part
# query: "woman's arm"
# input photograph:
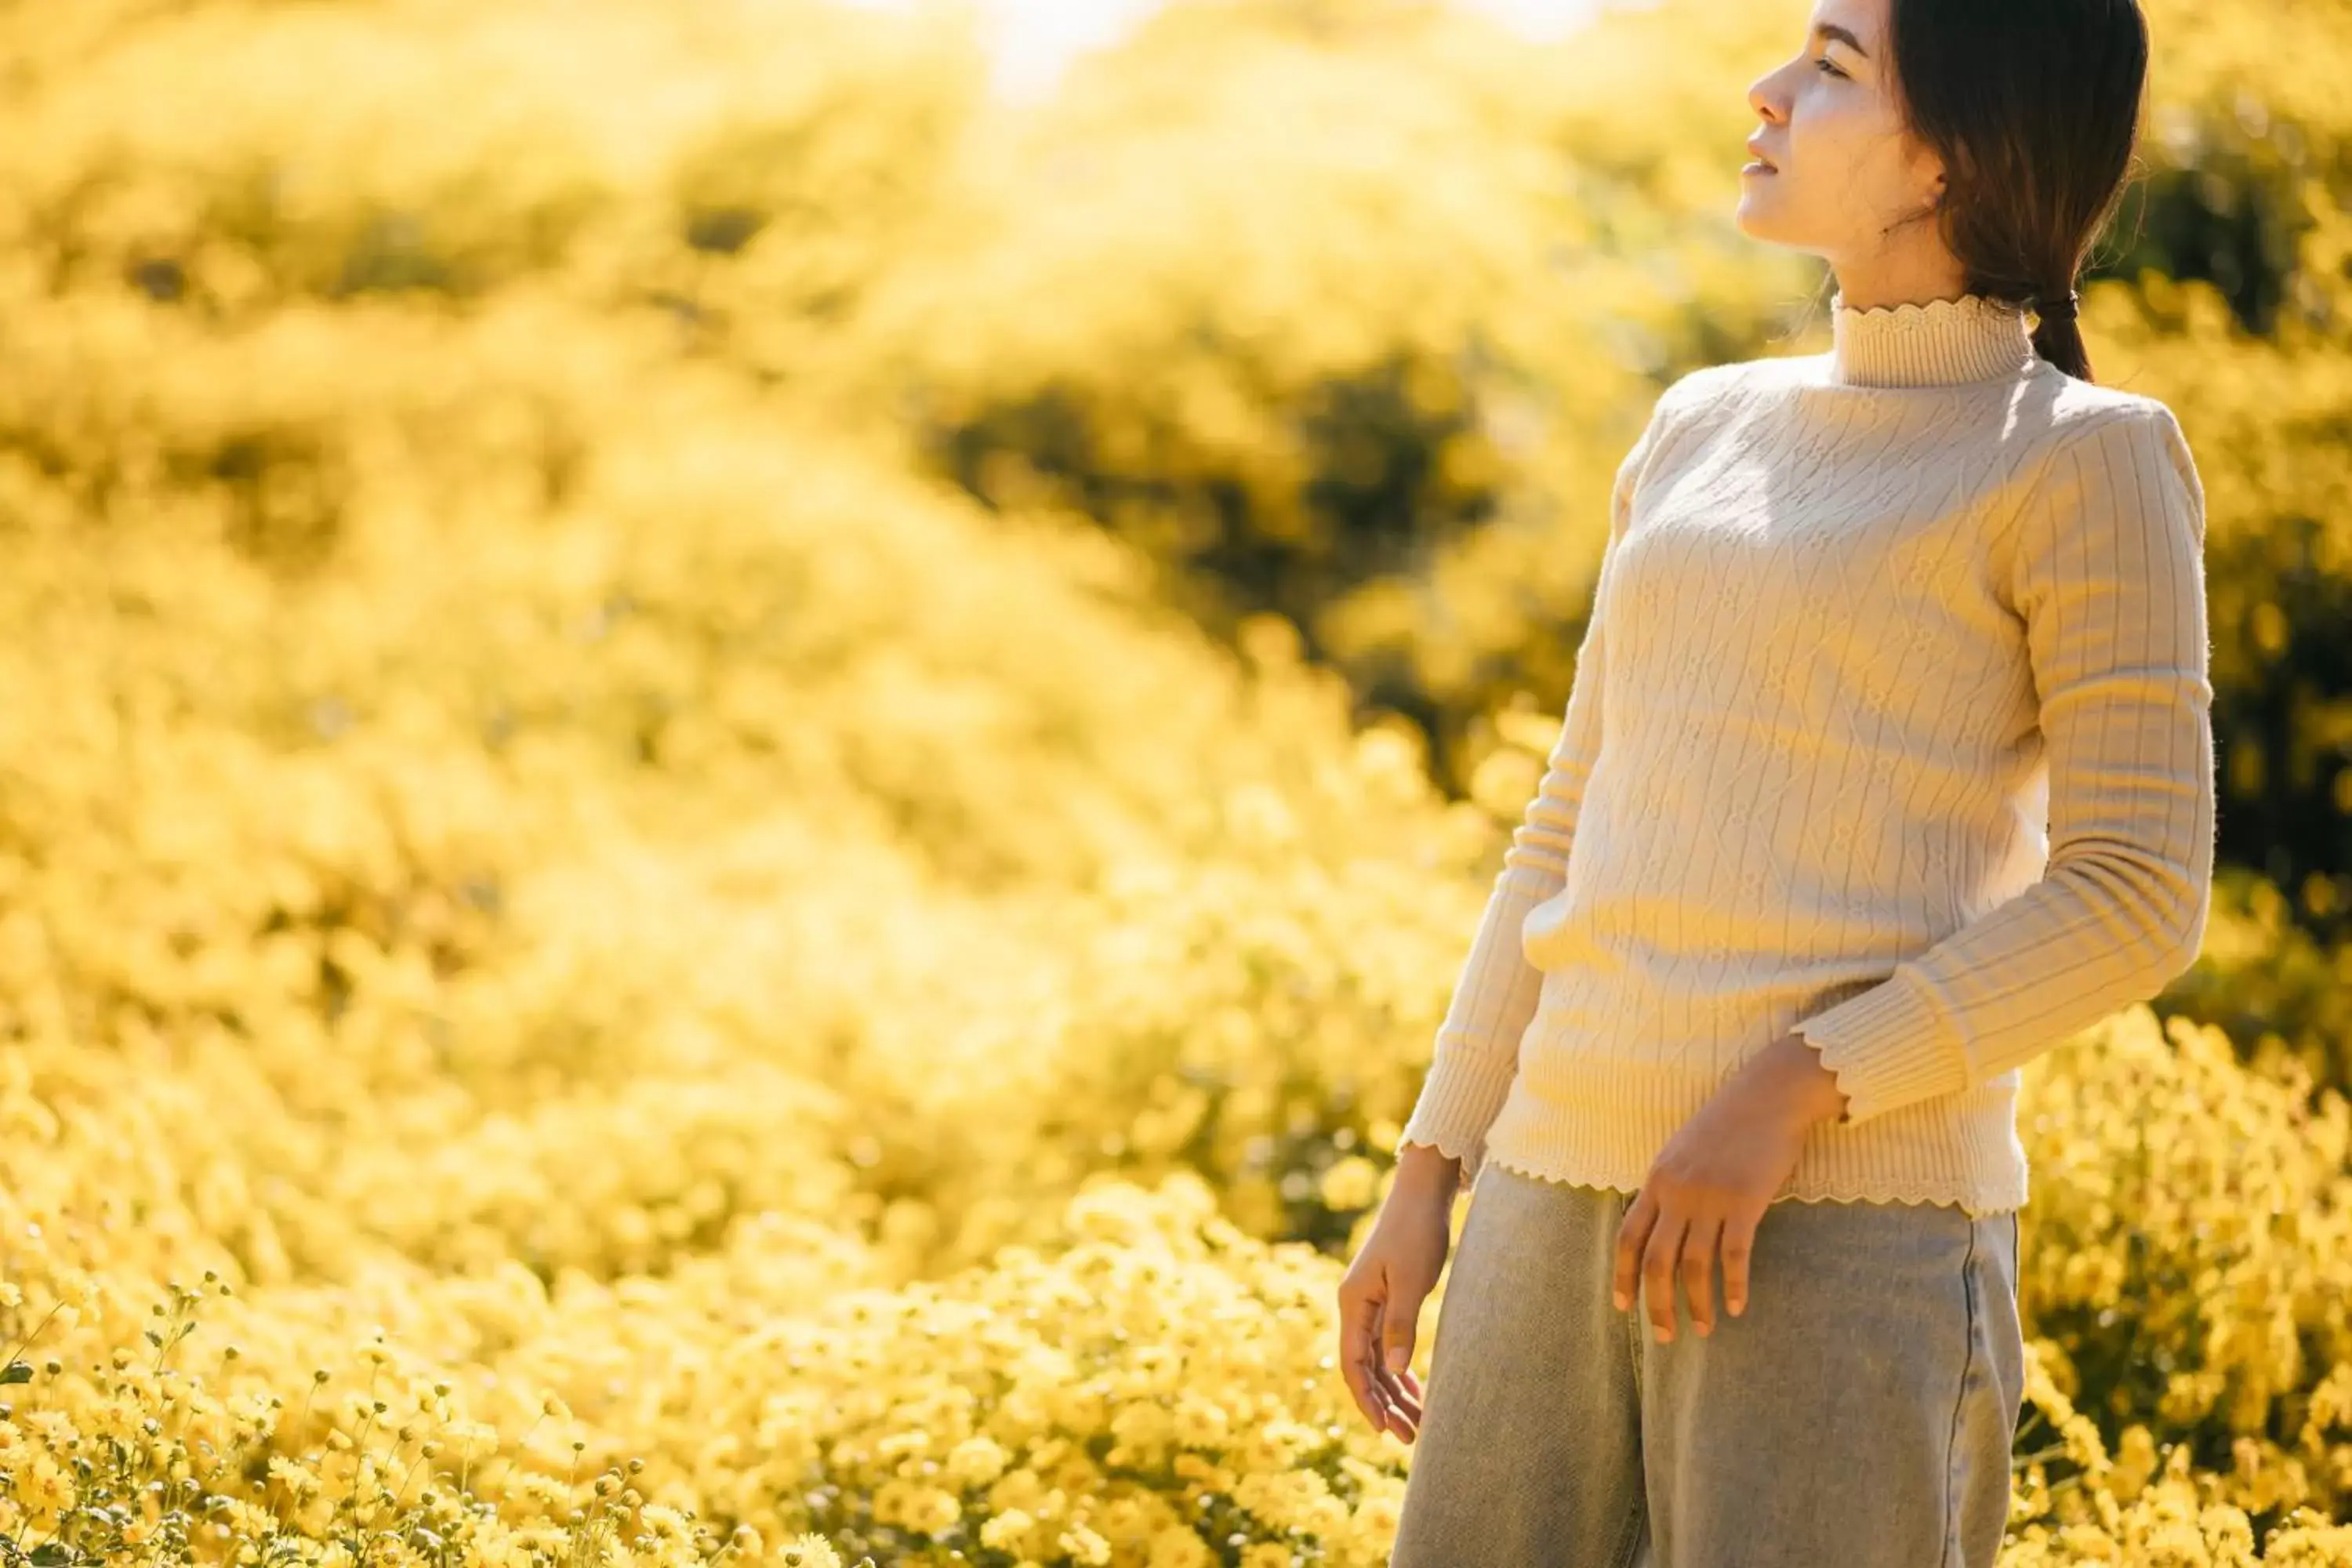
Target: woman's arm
(1476, 1052)
(2108, 573)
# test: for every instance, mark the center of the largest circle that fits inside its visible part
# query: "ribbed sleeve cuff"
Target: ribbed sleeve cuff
(1889, 1046)
(1460, 1097)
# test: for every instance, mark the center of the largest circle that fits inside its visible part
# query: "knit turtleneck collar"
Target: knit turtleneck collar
(1934, 344)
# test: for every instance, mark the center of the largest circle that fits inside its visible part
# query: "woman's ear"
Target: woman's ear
(1928, 175)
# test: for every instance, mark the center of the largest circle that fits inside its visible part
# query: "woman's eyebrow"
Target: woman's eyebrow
(1831, 30)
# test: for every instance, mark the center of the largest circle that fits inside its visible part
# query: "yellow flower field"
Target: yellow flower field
(737, 793)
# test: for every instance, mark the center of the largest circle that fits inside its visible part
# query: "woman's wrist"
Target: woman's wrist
(1424, 1169)
(1793, 1067)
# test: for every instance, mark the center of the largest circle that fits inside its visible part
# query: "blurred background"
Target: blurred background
(1032, 42)
(745, 746)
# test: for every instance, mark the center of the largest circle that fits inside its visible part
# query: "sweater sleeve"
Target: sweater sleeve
(2108, 572)
(1476, 1051)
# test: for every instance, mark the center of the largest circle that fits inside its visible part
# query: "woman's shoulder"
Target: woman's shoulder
(2060, 414)
(1716, 383)
(1708, 394)
(1688, 400)
(2066, 406)
(2086, 445)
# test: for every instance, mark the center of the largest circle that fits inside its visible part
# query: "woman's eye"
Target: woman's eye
(1824, 63)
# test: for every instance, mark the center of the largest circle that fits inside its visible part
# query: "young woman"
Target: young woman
(1887, 765)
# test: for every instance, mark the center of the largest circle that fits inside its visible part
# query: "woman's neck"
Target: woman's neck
(1938, 343)
(1909, 277)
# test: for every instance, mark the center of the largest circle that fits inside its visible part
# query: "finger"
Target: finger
(1699, 1270)
(1632, 1231)
(1398, 1383)
(1401, 1315)
(1359, 1322)
(1404, 1421)
(1404, 1394)
(1738, 1245)
(1658, 1263)
(1351, 1329)
(1375, 1384)
(1405, 1402)
(1398, 1308)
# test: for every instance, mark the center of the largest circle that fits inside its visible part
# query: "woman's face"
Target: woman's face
(1836, 165)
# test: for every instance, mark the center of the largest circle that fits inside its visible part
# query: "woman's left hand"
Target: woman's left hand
(1709, 1186)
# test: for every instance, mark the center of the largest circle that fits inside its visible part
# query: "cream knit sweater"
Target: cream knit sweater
(1891, 723)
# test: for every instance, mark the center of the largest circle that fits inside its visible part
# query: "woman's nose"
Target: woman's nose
(1764, 96)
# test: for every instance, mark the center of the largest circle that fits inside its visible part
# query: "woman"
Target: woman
(1783, 919)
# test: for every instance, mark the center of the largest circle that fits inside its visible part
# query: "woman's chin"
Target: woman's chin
(1757, 216)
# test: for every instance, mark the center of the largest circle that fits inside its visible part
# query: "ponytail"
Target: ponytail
(2055, 336)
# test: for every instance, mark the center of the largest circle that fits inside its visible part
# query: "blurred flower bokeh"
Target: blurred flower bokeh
(737, 789)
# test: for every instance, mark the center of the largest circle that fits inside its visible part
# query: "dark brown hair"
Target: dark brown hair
(2034, 107)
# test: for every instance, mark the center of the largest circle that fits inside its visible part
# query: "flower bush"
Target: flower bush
(650, 913)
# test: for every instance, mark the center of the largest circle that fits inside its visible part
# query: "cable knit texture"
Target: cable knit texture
(1892, 725)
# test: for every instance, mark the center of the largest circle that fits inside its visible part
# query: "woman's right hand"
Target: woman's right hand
(1381, 1293)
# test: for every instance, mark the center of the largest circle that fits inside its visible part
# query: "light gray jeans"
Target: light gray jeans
(1859, 1415)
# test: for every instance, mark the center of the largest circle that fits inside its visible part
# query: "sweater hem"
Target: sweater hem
(1816, 1190)
(1587, 1120)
